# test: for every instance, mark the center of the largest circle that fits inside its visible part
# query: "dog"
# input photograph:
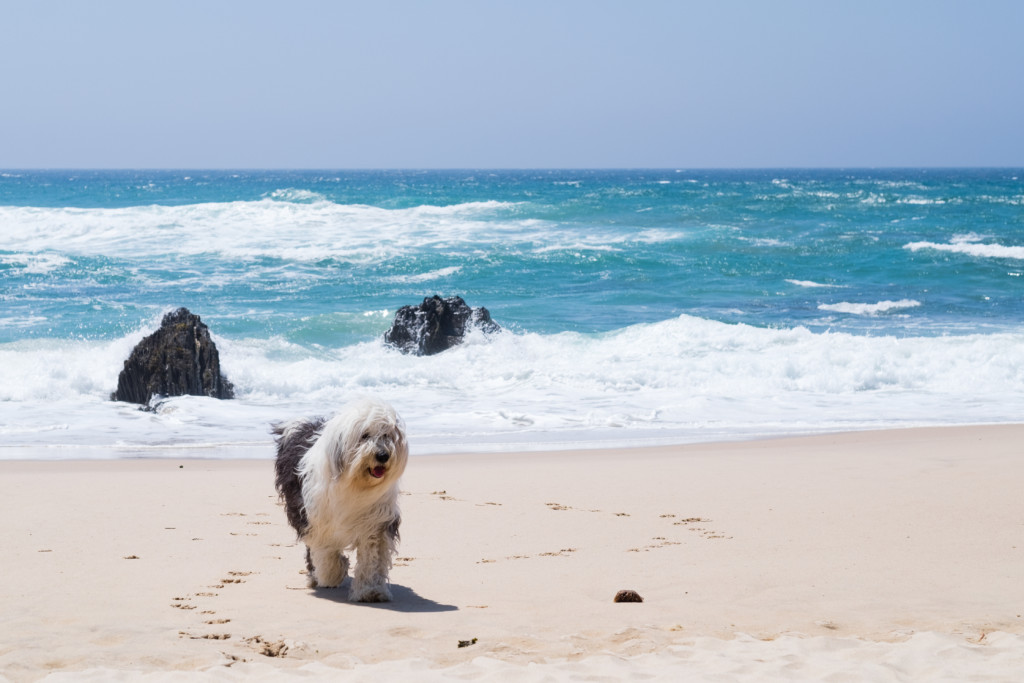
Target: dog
(338, 479)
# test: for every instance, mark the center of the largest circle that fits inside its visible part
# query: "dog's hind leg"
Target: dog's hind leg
(326, 566)
(370, 578)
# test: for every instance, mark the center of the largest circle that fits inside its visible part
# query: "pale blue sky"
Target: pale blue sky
(515, 84)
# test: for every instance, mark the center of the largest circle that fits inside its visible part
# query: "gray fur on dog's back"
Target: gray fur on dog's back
(293, 440)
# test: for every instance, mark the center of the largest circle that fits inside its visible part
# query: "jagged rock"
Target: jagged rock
(178, 359)
(436, 325)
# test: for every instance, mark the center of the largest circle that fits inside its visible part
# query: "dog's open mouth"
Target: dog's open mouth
(378, 471)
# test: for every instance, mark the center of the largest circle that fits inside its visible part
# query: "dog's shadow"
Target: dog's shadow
(403, 599)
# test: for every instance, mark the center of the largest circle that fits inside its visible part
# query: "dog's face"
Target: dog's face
(371, 447)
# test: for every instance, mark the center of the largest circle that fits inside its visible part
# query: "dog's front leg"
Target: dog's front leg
(327, 567)
(370, 578)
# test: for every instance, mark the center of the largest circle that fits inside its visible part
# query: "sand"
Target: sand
(893, 555)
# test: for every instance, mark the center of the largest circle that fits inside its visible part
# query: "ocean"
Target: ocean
(637, 306)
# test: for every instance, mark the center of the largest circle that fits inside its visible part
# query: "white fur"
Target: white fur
(346, 506)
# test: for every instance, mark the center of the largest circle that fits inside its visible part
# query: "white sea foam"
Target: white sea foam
(971, 246)
(656, 236)
(577, 246)
(763, 241)
(26, 321)
(295, 195)
(811, 284)
(438, 274)
(306, 231)
(921, 201)
(39, 264)
(869, 309)
(685, 379)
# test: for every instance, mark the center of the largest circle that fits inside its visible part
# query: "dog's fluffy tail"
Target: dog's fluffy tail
(297, 434)
(293, 440)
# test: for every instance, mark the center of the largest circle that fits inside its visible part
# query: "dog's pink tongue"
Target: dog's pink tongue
(378, 471)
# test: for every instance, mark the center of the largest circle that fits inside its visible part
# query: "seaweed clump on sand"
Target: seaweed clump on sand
(627, 596)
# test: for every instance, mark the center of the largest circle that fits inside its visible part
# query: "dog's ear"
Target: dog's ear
(337, 440)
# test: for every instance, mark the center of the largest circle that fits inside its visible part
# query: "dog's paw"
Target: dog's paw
(370, 594)
(313, 582)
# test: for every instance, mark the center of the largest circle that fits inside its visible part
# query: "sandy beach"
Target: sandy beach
(893, 555)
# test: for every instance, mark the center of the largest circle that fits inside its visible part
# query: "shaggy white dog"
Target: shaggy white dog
(339, 482)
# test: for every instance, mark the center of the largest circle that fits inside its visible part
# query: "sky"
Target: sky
(511, 84)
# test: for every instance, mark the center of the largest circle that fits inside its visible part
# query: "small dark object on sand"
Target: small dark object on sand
(628, 596)
(467, 643)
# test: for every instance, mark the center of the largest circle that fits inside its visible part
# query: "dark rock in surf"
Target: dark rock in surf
(436, 325)
(179, 359)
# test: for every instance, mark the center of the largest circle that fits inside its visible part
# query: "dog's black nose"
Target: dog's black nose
(383, 456)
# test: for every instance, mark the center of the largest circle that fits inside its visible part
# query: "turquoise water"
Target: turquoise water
(650, 304)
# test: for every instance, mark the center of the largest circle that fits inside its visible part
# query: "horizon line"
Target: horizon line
(674, 169)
